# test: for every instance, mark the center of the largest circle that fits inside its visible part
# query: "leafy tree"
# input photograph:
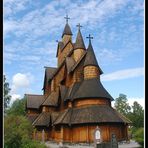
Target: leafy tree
(121, 105)
(18, 107)
(137, 115)
(7, 97)
(17, 133)
(139, 136)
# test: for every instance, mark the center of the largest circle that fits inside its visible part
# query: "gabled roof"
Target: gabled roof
(67, 30)
(63, 91)
(69, 63)
(49, 71)
(32, 117)
(71, 91)
(92, 88)
(90, 58)
(60, 46)
(34, 101)
(90, 114)
(43, 119)
(79, 44)
(52, 99)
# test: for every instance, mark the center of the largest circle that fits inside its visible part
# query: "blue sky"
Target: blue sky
(31, 29)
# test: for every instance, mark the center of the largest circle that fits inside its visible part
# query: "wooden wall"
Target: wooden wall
(83, 134)
(77, 54)
(91, 101)
(66, 38)
(64, 53)
(91, 72)
(47, 89)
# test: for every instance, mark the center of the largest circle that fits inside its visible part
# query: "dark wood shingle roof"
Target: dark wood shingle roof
(52, 99)
(92, 88)
(34, 101)
(90, 114)
(32, 117)
(49, 72)
(79, 44)
(70, 62)
(90, 58)
(43, 119)
(67, 30)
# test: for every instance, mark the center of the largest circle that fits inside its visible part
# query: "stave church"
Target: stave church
(74, 102)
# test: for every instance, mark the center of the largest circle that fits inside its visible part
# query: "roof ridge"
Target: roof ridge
(37, 118)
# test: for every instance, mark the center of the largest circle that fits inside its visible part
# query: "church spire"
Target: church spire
(90, 59)
(79, 44)
(67, 30)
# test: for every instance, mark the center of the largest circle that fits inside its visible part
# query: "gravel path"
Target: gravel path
(132, 144)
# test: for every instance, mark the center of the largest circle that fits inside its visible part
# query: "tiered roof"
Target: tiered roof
(89, 88)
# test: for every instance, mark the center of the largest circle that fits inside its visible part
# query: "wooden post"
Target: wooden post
(62, 132)
(43, 135)
(87, 134)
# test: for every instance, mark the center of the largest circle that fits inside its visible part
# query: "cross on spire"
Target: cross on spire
(79, 25)
(89, 37)
(67, 18)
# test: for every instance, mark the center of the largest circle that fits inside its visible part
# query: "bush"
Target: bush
(17, 133)
(139, 136)
(33, 144)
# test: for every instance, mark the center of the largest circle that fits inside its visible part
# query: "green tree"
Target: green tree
(7, 97)
(121, 105)
(137, 115)
(139, 136)
(17, 133)
(18, 107)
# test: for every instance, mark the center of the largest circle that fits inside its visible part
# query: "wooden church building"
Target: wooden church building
(74, 102)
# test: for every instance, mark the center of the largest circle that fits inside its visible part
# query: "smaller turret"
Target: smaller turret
(79, 46)
(67, 33)
(91, 67)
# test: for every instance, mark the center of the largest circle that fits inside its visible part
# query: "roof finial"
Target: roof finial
(67, 18)
(79, 26)
(89, 37)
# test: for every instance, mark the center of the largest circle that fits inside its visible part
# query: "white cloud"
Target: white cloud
(20, 85)
(21, 81)
(14, 6)
(123, 74)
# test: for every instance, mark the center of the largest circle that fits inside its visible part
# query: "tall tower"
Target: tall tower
(67, 34)
(65, 45)
(91, 67)
(79, 46)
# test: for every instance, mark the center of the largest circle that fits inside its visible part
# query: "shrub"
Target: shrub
(17, 133)
(139, 136)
